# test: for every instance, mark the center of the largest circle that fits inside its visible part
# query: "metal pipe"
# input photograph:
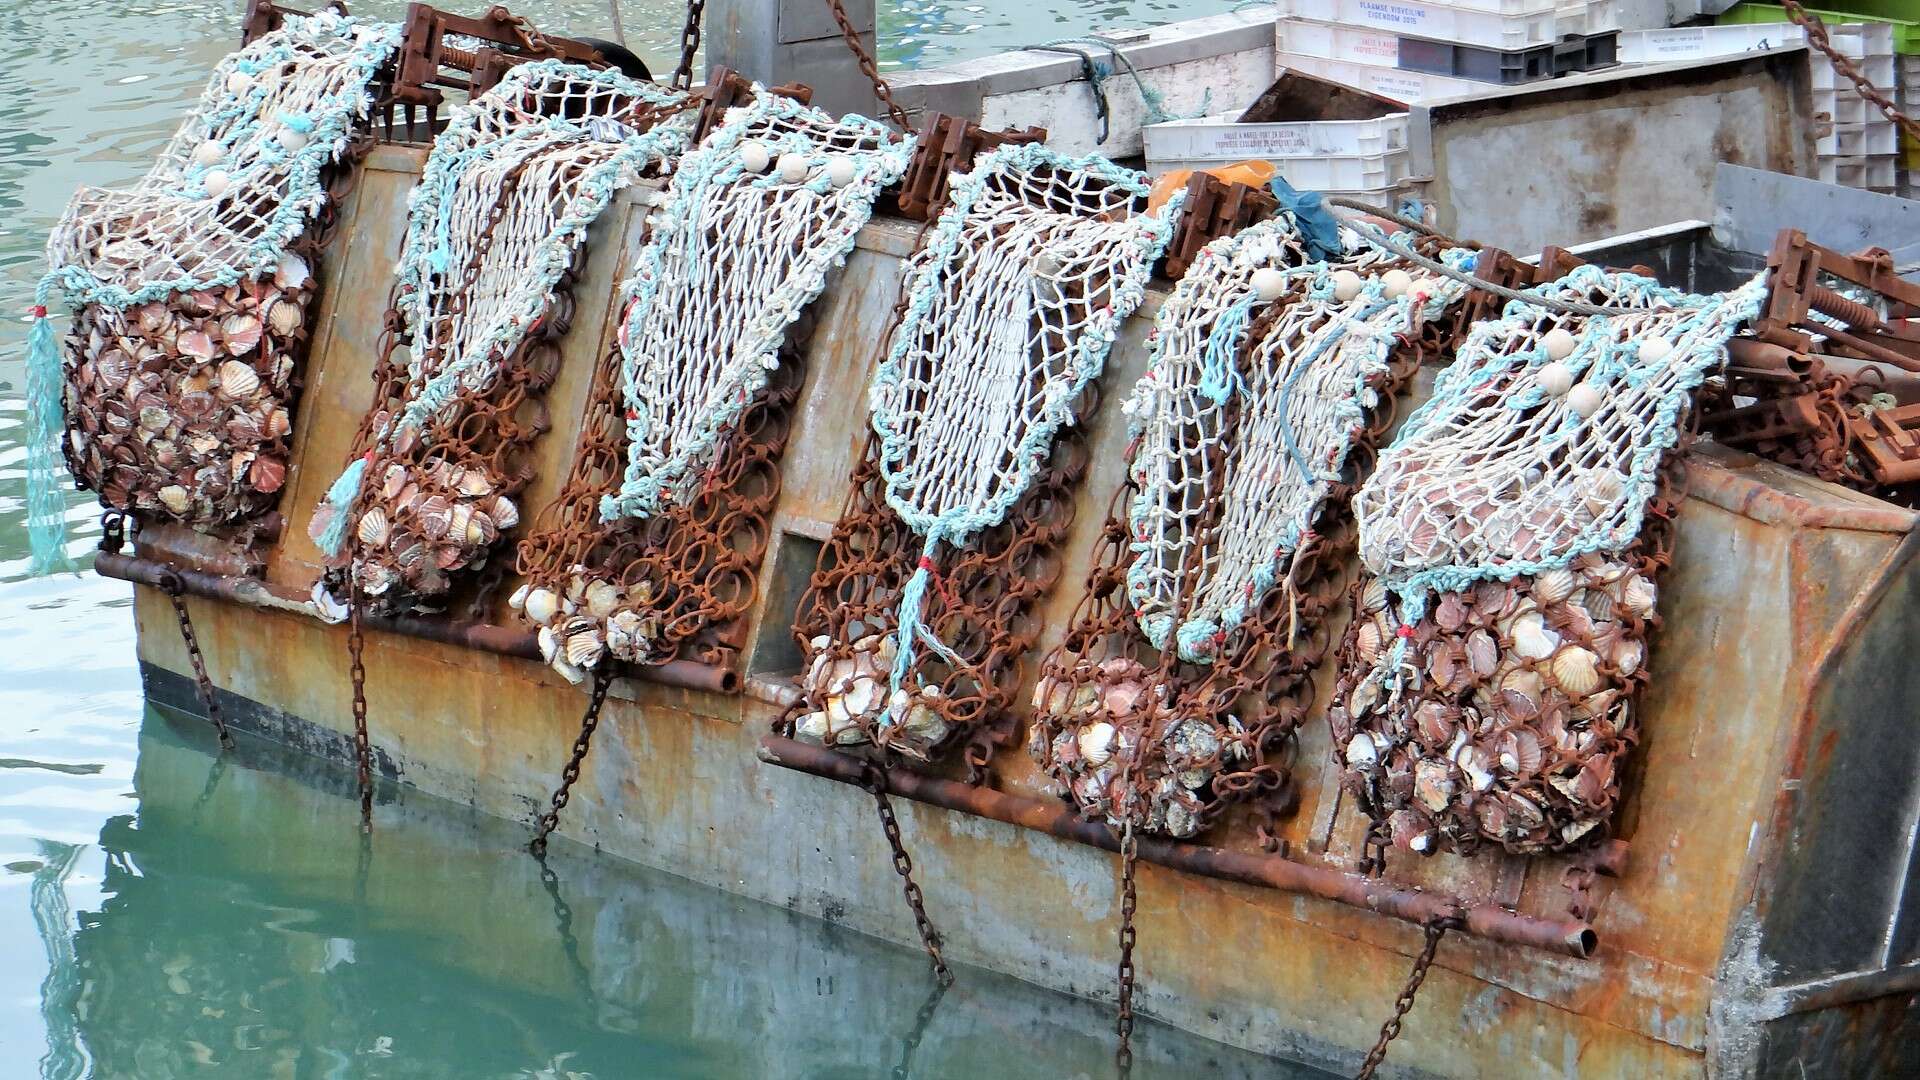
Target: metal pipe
(484, 637)
(1571, 937)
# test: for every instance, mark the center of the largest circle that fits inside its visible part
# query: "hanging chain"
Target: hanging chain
(689, 44)
(1436, 929)
(876, 785)
(1816, 32)
(176, 591)
(588, 723)
(867, 67)
(1123, 1024)
(362, 748)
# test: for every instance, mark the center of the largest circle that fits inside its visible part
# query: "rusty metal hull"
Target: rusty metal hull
(1777, 781)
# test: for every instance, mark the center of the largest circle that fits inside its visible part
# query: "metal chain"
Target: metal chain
(563, 926)
(1435, 930)
(867, 67)
(689, 44)
(203, 686)
(1123, 1023)
(363, 749)
(876, 785)
(1816, 32)
(581, 744)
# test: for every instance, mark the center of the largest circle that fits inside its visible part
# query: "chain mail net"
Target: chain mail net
(746, 233)
(1513, 535)
(495, 232)
(193, 287)
(1231, 527)
(915, 626)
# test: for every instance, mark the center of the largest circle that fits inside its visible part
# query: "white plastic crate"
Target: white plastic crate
(1857, 140)
(1531, 24)
(1588, 17)
(1878, 70)
(1219, 138)
(1340, 172)
(1865, 173)
(1408, 86)
(1857, 41)
(1336, 41)
(1844, 106)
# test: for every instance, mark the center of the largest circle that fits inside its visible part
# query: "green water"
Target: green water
(165, 912)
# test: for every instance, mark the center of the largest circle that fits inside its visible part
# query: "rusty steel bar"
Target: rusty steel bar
(1570, 937)
(484, 637)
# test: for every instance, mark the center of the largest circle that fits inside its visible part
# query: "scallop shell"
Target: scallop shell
(518, 601)
(1451, 612)
(1122, 700)
(267, 475)
(1627, 655)
(436, 516)
(542, 605)
(1640, 596)
(862, 697)
(285, 317)
(291, 272)
(474, 483)
(1096, 743)
(1373, 596)
(372, 528)
(1576, 672)
(241, 333)
(175, 498)
(1520, 752)
(1361, 753)
(506, 515)
(195, 343)
(601, 598)
(1483, 655)
(584, 647)
(238, 380)
(1554, 586)
(1366, 641)
(1531, 638)
(1433, 784)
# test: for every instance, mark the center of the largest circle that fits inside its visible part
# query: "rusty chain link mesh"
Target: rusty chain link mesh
(688, 573)
(181, 409)
(1231, 721)
(982, 604)
(438, 497)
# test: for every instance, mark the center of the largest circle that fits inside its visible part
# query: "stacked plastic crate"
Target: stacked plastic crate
(1910, 104)
(1444, 48)
(1856, 145)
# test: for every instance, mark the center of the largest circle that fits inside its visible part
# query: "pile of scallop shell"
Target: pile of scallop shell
(856, 705)
(1087, 729)
(178, 408)
(1512, 712)
(423, 517)
(590, 620)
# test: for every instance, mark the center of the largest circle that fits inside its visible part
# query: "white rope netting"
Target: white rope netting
(241, 177)
(510, 189)
(1234, 463)
(1011, 307)
(745, 235)
(1544, 440)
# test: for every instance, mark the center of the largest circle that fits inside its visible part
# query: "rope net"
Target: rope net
(192, 289)
(658, 559)
(1512, 538)
(1188, 665)
(495, 234)
(922, 604)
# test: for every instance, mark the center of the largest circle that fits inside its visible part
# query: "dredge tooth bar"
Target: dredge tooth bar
(1567, 937)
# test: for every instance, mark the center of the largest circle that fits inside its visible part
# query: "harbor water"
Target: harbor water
(167, 911)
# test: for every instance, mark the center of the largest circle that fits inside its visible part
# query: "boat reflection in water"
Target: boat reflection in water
(247, 930)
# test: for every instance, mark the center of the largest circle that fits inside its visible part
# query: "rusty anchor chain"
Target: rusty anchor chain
(689, 44)
(868, 68)
(875, 782)
(203, 685)
(1435, 930)
(362, 747)
(602, 680)
(1816, 32)
(1123, 1020)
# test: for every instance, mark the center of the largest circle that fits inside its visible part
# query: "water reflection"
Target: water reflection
(246, 928)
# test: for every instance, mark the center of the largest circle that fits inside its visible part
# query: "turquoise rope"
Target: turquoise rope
(1220, 369)
(46, 426)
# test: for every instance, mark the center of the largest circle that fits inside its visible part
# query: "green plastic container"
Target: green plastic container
(1906, 25)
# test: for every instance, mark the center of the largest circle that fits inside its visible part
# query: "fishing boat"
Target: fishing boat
(1275, 615)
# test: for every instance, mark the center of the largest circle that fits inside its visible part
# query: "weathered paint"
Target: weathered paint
(1773, 572)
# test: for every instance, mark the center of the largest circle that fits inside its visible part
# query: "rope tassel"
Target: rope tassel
(46, 425)
(339, 505)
